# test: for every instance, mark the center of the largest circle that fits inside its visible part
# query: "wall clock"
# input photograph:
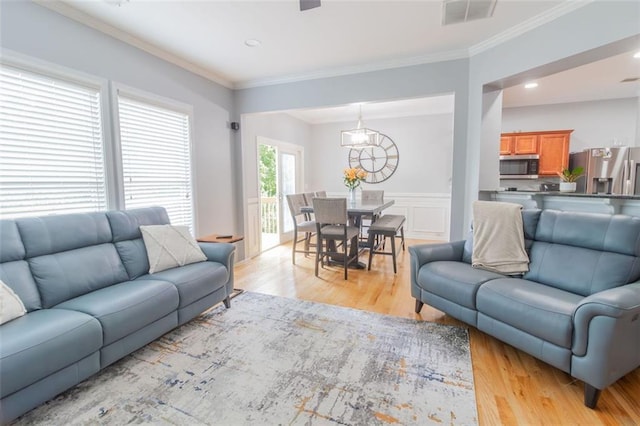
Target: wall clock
(380, 162)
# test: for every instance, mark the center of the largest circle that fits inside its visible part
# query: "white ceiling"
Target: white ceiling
(340, 37)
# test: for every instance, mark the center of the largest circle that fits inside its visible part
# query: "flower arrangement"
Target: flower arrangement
(353, 176)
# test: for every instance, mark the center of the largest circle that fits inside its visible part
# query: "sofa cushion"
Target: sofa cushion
(170, 246)
(11, 247)
(585, 253)
(43, 342)
(454, 281)
(68, 274)
(539, 310)
(125, 226)
(193, 281)
(53, 234)
(601, 232)
(579, 270)
(126, 307)
(18, 276)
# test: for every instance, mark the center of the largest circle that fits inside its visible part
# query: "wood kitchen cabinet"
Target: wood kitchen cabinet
(552, 146)
(519, 144)
(554, 152)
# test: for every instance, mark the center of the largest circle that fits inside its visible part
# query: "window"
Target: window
(51, 149)
(156, 159)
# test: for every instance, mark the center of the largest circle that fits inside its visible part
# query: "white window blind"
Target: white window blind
(51, 150)
(156, 166)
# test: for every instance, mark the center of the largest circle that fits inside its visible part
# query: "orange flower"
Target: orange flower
(353, 177)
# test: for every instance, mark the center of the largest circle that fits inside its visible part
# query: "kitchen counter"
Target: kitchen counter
(570, 201)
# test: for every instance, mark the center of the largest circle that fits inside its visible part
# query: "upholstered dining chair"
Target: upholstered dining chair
(301, 223)
(332, 225)
(321, 194)
(369, 196)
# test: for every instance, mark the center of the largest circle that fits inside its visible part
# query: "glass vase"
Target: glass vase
(352, 196)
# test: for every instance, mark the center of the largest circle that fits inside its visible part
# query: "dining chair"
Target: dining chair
(369, 196)
(332, 225)
(321, 194)
(301, 223)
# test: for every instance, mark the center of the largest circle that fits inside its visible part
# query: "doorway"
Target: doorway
(279, 174)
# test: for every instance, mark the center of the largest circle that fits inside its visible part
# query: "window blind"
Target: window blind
(51, 149)
(156, 160)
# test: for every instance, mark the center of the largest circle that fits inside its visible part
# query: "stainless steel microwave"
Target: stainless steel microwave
(519, 166)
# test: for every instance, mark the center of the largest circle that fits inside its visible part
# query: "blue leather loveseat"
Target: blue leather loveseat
(84, 281)
(577, 308)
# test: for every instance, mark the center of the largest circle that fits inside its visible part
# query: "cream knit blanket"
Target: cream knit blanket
(498, 238)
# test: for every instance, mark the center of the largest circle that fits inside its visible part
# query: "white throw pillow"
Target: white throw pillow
(11, 307)
(170, 246)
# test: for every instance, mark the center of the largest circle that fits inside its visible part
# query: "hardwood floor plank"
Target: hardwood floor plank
(512, 388)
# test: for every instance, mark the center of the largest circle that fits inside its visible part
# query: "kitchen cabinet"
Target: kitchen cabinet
(552, 146)
(554, 153)
(518, 144)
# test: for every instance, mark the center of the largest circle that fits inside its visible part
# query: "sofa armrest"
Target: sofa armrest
(425, 253)
(219, 252)
(620, 303)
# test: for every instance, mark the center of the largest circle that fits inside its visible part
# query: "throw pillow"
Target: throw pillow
(11, 307)
(170, 246)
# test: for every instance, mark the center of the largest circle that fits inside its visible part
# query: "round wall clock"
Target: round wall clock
(380, 162)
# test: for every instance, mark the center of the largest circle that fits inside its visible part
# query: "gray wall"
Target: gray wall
(29, 29)
(595, 124)
(425, 145)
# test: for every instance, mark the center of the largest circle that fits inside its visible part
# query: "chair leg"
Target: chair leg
(402, 236)
(371, 244)
(318, 252)
(345, 257)
(293, 251)
(419, 306)
(393, 253)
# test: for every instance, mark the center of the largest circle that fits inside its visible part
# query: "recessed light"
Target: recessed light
(531, 85)
(637, 55)
(252, 42)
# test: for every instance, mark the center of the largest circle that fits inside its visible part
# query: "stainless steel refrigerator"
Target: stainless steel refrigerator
(613, 170)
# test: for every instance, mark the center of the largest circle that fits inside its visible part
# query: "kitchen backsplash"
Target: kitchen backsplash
(527, 184)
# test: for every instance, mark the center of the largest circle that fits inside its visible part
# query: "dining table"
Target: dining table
(356, 211)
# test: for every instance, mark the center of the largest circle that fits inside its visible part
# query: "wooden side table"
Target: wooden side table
(218, 238)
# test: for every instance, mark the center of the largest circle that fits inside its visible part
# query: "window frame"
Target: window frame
(68, 75)
(117, 89)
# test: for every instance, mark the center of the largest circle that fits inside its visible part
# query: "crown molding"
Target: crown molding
(356, 69)
(528, 25)
(79, 16)
(548, 16)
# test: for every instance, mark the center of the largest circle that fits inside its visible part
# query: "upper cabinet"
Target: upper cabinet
(552, 146)
(518, 144)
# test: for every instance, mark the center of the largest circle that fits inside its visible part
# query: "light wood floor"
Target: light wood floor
(511, 386)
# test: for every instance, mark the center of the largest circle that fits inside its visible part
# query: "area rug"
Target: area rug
(276, 361)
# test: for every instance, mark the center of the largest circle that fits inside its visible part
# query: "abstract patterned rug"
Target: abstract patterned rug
(275, 361)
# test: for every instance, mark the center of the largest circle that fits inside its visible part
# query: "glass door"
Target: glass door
(280, 172)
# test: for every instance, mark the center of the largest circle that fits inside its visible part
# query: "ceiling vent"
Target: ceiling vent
(458, 11)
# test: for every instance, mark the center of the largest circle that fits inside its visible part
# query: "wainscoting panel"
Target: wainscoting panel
(254, 234)
(428, 215)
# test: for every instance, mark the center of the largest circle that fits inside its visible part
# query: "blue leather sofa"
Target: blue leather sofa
(578, 307)
(90, 301)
